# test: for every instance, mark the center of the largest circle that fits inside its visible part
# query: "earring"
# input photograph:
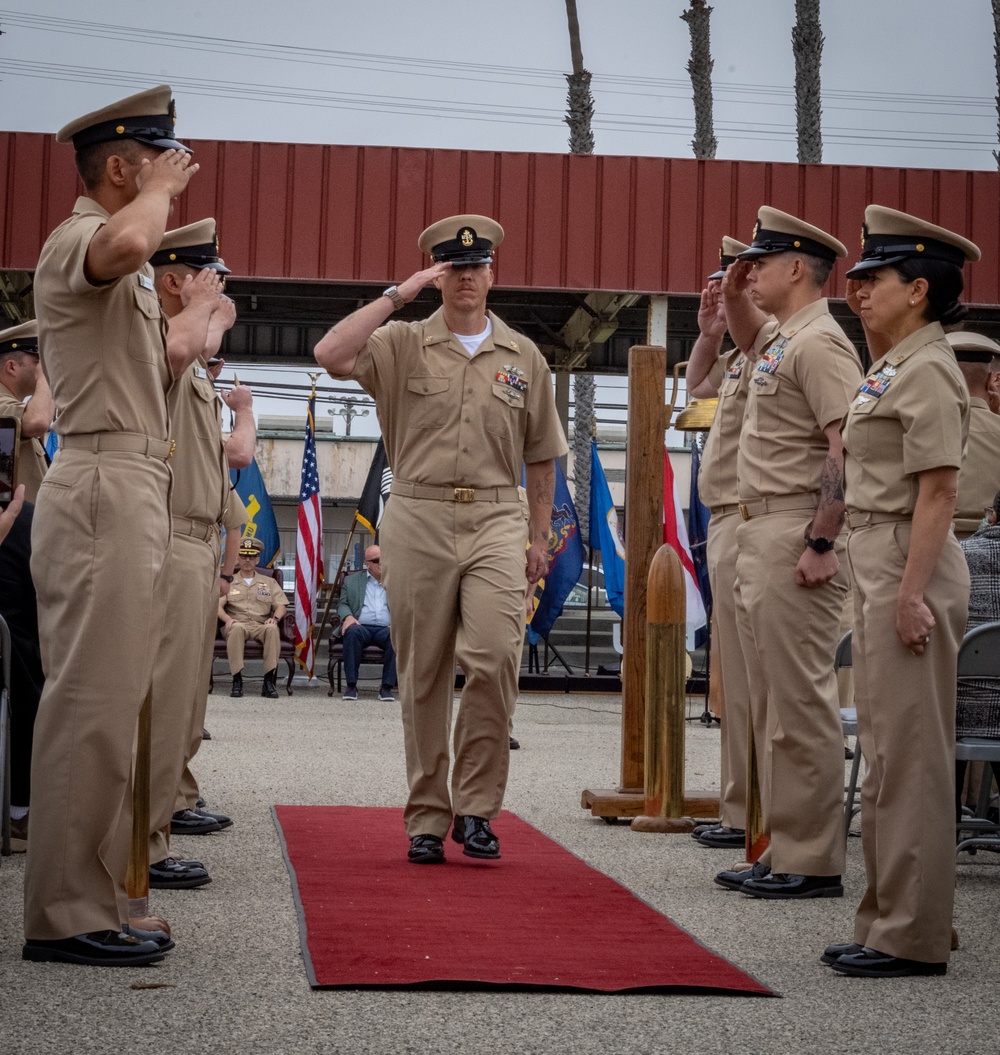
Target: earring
(912, 303)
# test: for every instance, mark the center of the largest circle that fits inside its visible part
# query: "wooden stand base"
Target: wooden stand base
(631, 802)
(663, 825)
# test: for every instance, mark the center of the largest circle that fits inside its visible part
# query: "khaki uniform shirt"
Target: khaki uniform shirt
(201, 474)
(801, 382)
(979, 479)
(31, 463)
(92, 391)
(910, 414)
(236, 514)
(457, 421)
(254, 603)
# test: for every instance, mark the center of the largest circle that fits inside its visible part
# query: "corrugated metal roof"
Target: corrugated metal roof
(649, 225)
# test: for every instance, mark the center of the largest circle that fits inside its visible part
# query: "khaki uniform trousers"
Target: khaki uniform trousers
(446, 563)
(268, 635)
(188, 792)
(731, 668)
(906, 724)
(99, 544)
(191, 593)
(789, 636)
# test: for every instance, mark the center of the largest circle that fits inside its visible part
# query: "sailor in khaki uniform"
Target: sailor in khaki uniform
(727, 377)
(253, 607)
(200, 501)
(979, 479)
(101, 530)
(791, 583)
(904, 435)
(20, 377)
(463, 402)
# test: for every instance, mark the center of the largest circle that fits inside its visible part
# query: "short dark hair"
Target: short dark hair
(818, 267)
(92, 160)
(944, 286)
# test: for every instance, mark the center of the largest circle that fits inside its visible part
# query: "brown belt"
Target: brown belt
(859, 518)
(454, 494)
(720, 511)
(194, 528)
(131, 442)
(758, 507)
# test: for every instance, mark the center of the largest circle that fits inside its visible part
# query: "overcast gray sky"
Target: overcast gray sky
(905, 82)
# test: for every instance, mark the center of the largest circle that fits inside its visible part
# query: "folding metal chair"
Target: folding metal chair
(849, 724)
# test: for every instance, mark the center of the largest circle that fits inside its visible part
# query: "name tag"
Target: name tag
(200, 371)
(145, 281)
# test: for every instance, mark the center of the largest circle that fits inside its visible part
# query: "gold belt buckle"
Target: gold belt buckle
(744, 511)
(465, 494)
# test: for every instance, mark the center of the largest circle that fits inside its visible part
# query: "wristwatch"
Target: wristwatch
(393, 294)
(820, 545)
(228, 578)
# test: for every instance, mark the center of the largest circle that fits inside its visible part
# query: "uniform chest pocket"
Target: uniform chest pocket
(858, 426)
(764, 403)
(145, 342)
(506, 404)
(429, 402)
(206, 409)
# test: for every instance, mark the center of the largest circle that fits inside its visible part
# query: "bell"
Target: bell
(697, 416)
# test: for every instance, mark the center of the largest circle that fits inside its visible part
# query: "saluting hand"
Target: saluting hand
(734, 281)
(853, 301)
(168, 172)
(203, 288)
(711, 311)
(409, 289)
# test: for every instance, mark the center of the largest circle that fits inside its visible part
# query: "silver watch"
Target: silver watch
(393, 294)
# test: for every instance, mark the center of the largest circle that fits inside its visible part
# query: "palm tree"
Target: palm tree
(579, 112)
(807, 47)
(996, 56)
(699, 68)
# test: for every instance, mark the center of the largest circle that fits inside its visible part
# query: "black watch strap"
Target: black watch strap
(228, 578)
(820, 545)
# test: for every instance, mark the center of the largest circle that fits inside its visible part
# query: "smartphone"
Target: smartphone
(10, 442)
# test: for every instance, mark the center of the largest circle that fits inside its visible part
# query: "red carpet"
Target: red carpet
(539, 918)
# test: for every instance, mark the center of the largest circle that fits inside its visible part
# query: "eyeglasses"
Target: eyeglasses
(373, 560)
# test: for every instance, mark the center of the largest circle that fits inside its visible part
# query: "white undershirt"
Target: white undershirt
(471, 344)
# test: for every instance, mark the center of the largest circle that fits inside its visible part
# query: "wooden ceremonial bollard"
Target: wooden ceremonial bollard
(137, 877)
(757, 841)
(666, 613)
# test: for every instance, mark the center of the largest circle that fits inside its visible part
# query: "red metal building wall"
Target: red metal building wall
(651, 225)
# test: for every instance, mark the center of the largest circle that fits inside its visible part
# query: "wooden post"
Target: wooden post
(665, 697)
(647, 375)
(137, 877)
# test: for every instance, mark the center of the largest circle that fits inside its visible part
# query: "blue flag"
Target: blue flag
(604, 534)
(249, 486)
(565, 559)
(698, 515)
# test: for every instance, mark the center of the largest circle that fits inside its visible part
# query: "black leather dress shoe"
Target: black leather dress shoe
(832, 953)
(790, 886)
(237, 690)
(870, 963)
(733, 879)
(99, 948)
(160, 938)
(176, 874)
(515, 745)
(700, 829)
(269, 690)
(426, 850)
(723, 838)
(476, 836)
(194, 822)
(206, 735)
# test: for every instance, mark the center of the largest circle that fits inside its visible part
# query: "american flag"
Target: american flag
(308, 548)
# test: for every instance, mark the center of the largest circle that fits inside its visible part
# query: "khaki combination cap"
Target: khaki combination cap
(196, 245)
(969, 348)
(730, 250)
(890, 236)
(21, 338)
(147, 117)
(467, 239)
(780, 232)
(251, 547)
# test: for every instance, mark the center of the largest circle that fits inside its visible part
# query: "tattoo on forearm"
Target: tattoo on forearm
(831, 484)
(545, 489)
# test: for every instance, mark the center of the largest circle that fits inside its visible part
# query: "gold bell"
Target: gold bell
(697, 416)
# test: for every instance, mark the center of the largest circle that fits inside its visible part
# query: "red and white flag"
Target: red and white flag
(308, 548)
(675, 535)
